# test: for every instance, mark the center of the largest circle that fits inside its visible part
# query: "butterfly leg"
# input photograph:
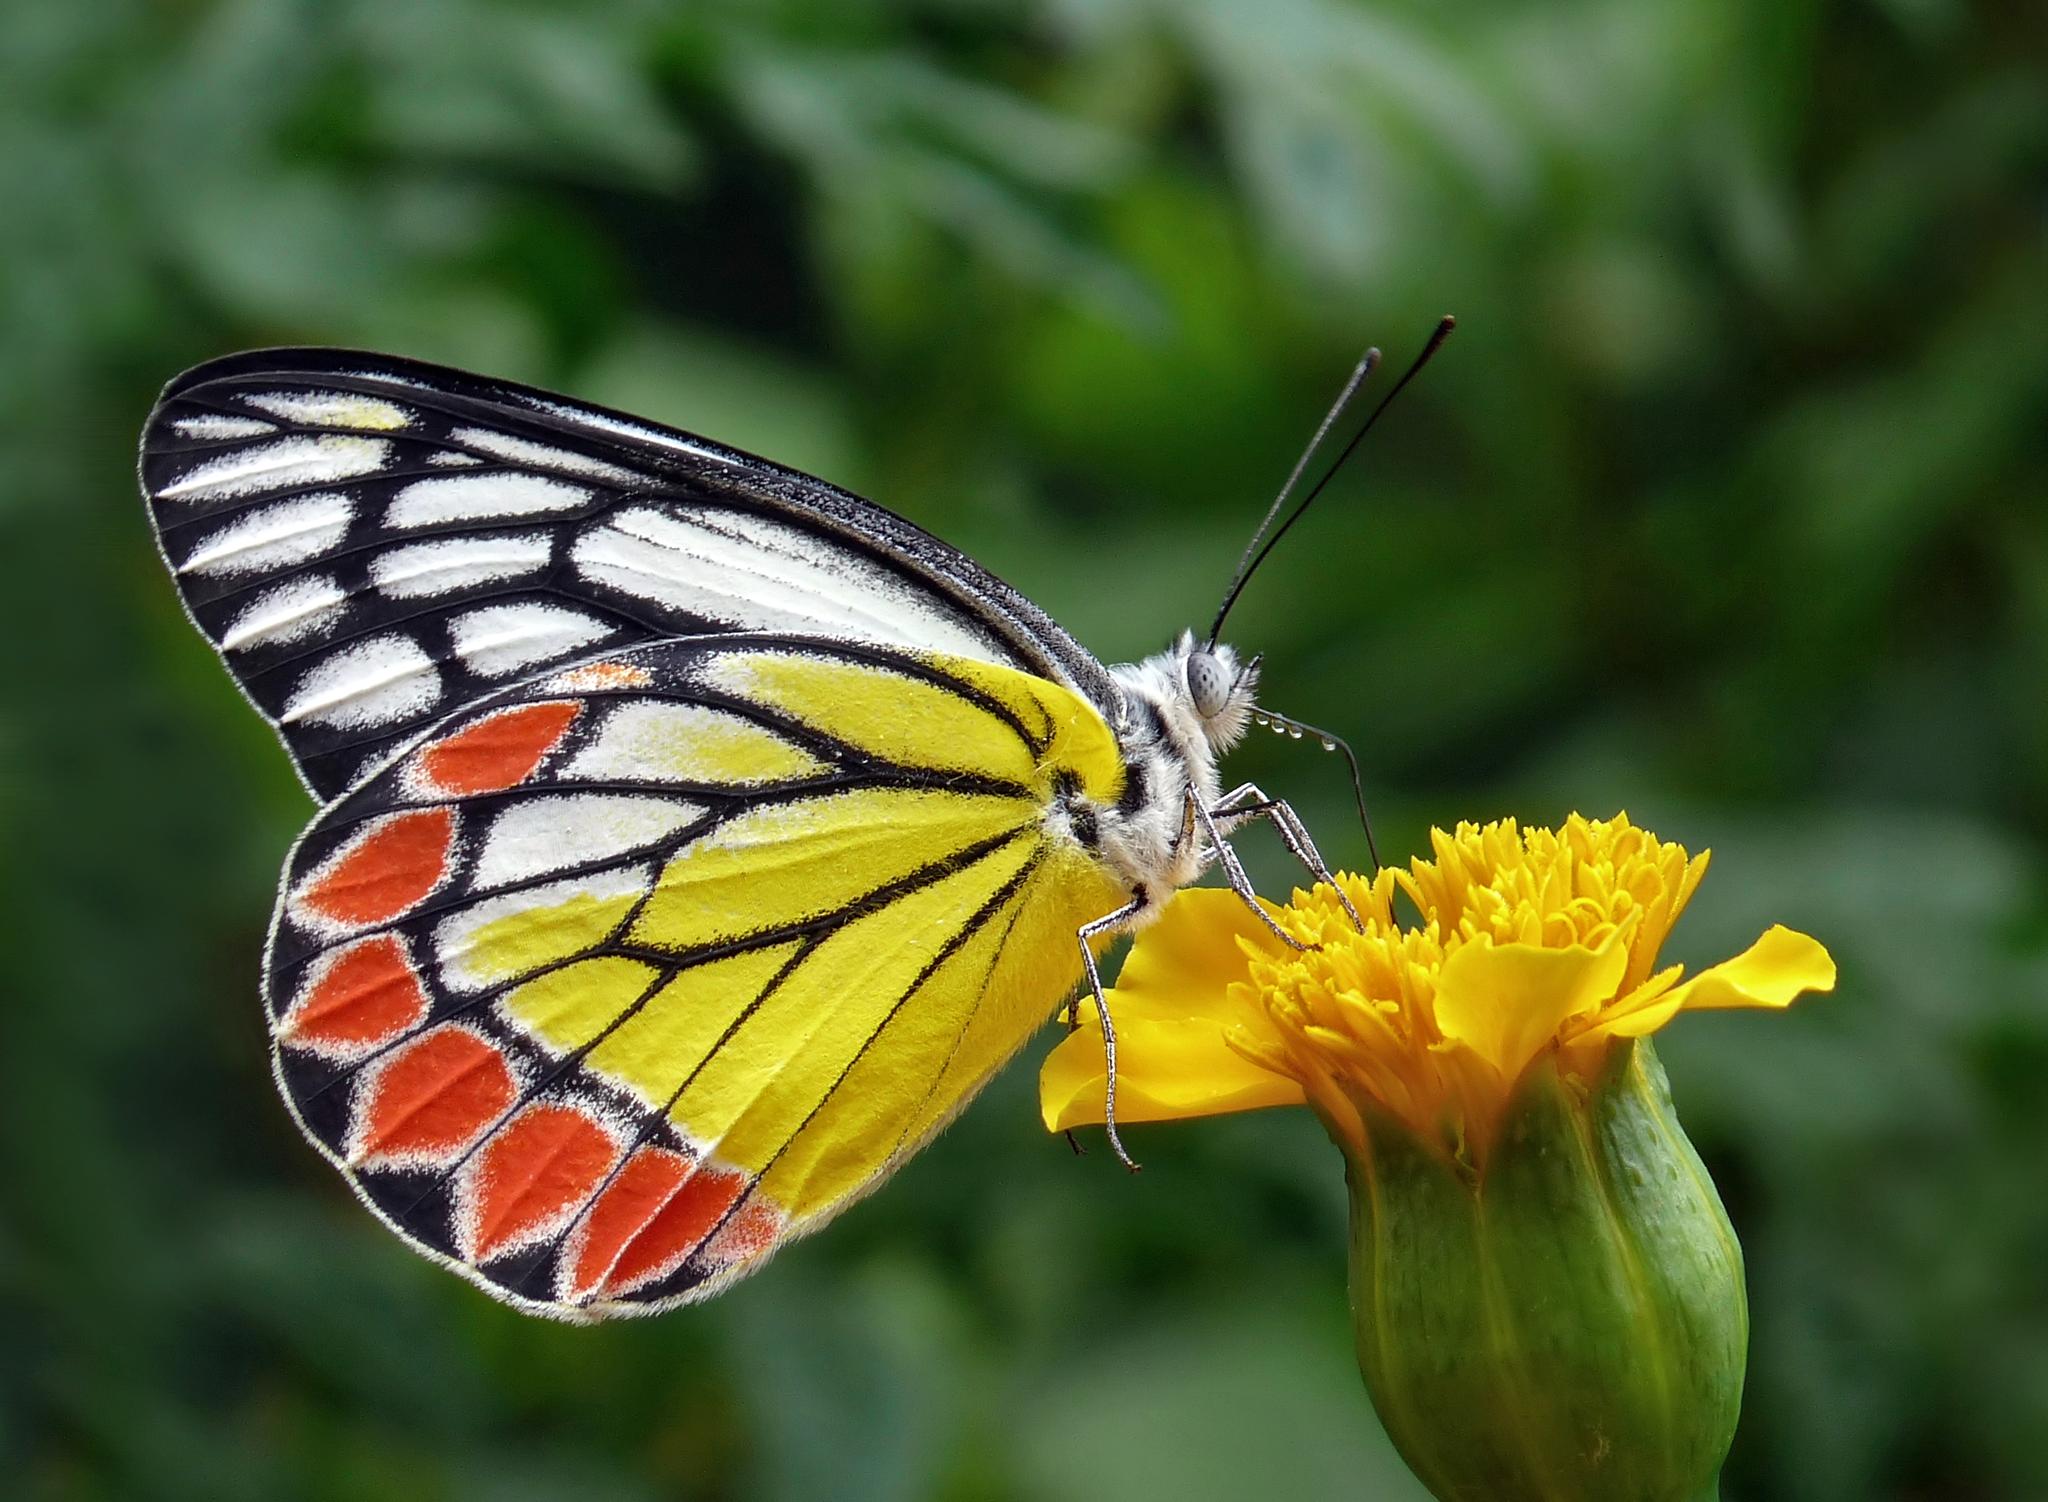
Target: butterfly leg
(1233, 871)
(1107, 924)
(1248, 801)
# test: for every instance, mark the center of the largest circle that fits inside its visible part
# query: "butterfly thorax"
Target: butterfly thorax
(1170, 749)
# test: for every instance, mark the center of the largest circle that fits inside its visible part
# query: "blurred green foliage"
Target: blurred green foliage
(1729, 504)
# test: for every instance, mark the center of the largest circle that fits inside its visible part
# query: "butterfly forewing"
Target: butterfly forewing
(614, 982)
(373, 544)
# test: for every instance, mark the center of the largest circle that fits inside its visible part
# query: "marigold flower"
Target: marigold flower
(1531, 942)
(1547, 1295)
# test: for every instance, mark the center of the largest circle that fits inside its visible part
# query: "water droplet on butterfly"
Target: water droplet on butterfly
(1328, 744)
(1294, 732)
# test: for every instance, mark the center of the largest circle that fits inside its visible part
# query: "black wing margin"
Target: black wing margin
(372, 543)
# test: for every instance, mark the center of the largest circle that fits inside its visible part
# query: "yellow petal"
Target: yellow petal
(1183, 964)
(1779, 967)
(1506, 1001)
(1171, 1006)
(1165, 1071)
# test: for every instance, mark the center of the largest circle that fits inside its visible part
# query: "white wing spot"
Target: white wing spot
(651, 740)
(633, 430)
(218, 425)
(291, 612)
(271, 537)
(750, 574)
(423, 569)
(275, 466)
(478, 498)
(388, 378)
(545, 834)
(452, 459)
(501, 639)
(332, 409)
(547, 456)
(371, 683)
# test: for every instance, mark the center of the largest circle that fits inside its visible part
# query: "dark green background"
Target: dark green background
(1728, 504)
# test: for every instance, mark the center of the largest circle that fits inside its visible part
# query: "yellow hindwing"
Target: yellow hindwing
(620, 979)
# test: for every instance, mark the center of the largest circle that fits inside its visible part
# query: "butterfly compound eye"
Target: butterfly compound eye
(1208, 684)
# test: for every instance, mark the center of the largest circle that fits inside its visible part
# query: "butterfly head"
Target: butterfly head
(1220, 689)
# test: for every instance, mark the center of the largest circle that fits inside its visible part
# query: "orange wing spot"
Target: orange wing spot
(534, 1173)
(498, 751)
(751, 1233)
(388, 868)
(654, 1215)
(623, 1213)
(434, 1098)
(600, 675)
(367, 994)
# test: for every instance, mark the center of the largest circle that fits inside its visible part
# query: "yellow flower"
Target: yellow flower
(1546, 1293)
(1530, 943)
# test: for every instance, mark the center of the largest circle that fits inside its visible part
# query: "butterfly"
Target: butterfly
(695, 839)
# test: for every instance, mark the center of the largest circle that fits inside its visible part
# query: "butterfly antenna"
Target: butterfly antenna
(1359, 373)
(1331, 741)
(1247, 569)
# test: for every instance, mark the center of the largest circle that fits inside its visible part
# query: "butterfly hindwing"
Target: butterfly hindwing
(373, 543)
(615, 981)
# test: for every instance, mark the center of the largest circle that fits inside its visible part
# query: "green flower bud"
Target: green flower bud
(1566, 1322)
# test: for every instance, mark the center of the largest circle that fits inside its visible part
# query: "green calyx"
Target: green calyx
(1567, 1323)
